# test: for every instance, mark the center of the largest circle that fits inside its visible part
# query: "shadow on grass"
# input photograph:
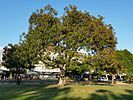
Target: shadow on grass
(35, 92)
(102, 94)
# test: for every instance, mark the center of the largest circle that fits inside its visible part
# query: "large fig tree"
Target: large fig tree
(58, 39)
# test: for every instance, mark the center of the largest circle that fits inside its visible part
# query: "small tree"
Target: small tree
(11, 59)
(106, 61)
(127, 58)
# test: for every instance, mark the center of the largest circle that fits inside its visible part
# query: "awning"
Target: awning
(49, 71)
(4, 68)
(32, 73)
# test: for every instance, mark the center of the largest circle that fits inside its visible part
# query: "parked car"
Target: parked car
(103, 79)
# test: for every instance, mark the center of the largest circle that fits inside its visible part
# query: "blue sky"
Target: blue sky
(14, 15)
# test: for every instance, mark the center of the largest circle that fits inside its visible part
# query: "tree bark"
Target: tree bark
(10, 77)
(18, 79)
(62, 80)
(113, 77)
(61, 83)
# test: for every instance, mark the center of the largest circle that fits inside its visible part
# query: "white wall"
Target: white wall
(1, 51)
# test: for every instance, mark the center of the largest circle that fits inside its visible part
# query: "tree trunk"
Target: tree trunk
(61, 83)
(10, 77)
(18, 79)
(62, 80)
(113, 77)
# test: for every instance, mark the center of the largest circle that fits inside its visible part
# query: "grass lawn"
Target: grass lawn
(69, 92)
